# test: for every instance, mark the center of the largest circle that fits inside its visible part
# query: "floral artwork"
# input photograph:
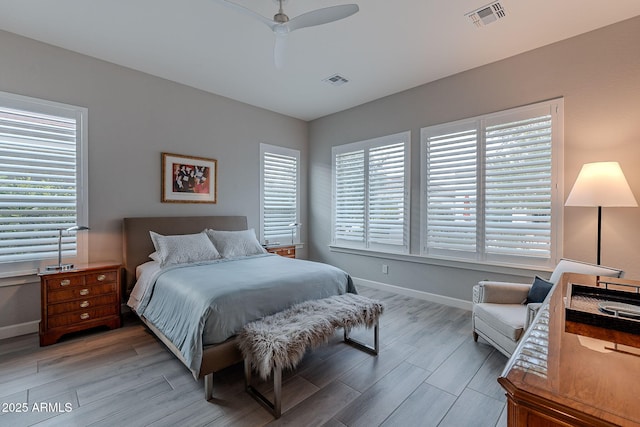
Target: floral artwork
(188, 179)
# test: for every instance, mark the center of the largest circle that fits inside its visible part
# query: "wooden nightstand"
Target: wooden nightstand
(285, 251)
(80, 298)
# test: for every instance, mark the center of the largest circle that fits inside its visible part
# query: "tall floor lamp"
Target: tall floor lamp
(601, 184)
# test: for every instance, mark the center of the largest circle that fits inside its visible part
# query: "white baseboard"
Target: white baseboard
(19, 329)
(440, 299)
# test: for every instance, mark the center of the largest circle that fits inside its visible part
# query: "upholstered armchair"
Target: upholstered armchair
(501, 313)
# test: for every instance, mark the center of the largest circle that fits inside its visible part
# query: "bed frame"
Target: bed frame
(137, 246)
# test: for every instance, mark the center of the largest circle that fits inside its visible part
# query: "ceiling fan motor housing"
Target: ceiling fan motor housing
(280, 18)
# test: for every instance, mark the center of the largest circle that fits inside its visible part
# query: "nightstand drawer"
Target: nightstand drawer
(82, 292)
(103, 277)
(285, 251)
(78, 317)
(80, 304)
(54, 284)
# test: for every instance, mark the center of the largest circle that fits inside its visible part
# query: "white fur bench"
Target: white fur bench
(280, 341)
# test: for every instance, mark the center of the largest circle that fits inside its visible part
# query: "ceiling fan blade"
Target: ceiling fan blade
(322, 16)
(246, 11)
(279, 49)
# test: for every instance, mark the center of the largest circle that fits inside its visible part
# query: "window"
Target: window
(42, 182)
(491, 187)
(280, 202)
(371, 194)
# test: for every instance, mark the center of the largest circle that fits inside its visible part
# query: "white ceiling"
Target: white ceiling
(387, 47)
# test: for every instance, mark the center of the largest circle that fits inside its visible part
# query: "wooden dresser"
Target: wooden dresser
(285, 251)
(558, 378)
(80, 298)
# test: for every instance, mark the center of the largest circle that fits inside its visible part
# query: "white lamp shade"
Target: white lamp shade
(601, 184)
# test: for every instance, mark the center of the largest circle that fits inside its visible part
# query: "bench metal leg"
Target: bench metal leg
(276, 407)
(362, 346)
(208, 386)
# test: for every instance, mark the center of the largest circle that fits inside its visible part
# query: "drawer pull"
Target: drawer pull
(84, 304)
(84, 292)
(101, 277)
(84, 316)
(65, 282)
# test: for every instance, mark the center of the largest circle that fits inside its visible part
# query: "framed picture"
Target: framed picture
(187, 179)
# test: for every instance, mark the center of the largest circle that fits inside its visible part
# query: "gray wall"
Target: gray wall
(597, 73)
(133, 117)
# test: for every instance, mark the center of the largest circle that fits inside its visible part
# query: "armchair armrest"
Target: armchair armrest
(500, 292)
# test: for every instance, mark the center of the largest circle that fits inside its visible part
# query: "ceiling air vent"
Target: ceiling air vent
(336, 80)
(487, 14)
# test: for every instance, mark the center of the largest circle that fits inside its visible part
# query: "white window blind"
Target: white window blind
(452, 162)
(490, 187)
(387, 201)
(280, 199)
(370, 194)
(518, 188)
(40, 182)
(349, 211)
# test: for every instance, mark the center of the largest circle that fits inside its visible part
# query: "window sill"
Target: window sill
(511, 269)
(17, 278)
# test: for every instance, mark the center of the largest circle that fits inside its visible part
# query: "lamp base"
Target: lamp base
(59, 267)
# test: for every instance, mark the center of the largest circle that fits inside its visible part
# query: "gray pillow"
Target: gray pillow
(539, 290)
(232, 244)
(183, 248)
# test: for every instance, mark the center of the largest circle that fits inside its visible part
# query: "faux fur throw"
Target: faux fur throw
(282, 338)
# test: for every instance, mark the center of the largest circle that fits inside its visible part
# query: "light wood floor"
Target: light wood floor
(429, 373)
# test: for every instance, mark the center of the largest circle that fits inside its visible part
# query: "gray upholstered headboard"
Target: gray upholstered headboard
(137, 243)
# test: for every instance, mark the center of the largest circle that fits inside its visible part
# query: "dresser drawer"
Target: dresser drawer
(81, 304)
(54, 284)
(102, 277)
(77, 317)
(78, 292)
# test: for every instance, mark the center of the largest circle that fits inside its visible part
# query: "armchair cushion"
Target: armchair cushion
(539, 290)
(506, 319)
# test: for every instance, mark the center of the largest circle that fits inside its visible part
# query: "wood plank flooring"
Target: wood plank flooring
(429, 373)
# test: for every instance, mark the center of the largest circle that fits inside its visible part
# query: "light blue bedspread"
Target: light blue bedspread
(206, 303)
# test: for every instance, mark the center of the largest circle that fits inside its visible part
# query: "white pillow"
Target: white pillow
(180, 249)
(233, 244)
(154, 256)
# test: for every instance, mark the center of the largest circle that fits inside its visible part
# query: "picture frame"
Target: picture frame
(189, 179)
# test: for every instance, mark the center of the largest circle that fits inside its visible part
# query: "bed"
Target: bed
(262, 284)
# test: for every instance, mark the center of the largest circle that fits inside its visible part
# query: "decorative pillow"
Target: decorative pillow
(154, 256)
(539, 290)
(233, 244)
(180, 249)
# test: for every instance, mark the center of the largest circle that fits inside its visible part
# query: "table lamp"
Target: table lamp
(601, 184)
(60, 265)
(294, 226)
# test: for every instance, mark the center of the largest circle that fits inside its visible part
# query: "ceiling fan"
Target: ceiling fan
(281, 25)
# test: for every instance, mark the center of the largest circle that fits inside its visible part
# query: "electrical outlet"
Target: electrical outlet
(385, 269)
